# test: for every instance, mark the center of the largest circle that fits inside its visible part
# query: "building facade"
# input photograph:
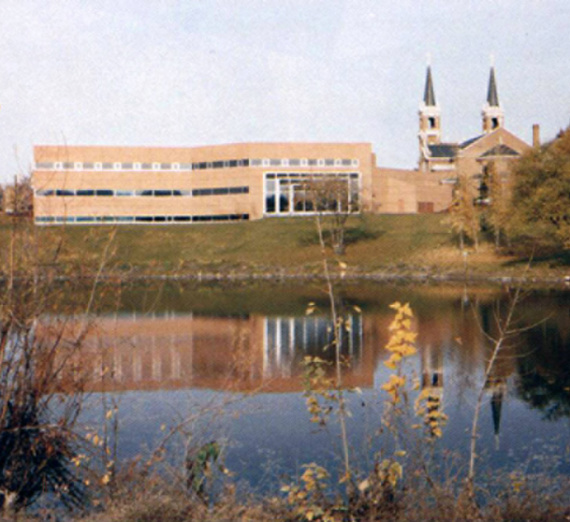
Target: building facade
(249, 181)
(90, 185)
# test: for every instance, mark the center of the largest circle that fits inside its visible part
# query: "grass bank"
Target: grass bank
(377, 246)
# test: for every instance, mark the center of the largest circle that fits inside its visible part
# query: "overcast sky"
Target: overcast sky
(199, 72)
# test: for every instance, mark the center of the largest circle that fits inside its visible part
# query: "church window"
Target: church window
(431, 121)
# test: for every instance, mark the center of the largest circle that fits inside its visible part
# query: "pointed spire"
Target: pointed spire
(493, 114)
(429, 96)
(492, 96)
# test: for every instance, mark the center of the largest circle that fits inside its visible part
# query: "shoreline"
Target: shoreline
(282, 276)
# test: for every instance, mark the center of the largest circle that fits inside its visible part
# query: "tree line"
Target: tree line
(521, 210)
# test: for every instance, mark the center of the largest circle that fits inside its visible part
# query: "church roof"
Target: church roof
(500, 150)
(443, 150)
(429, 95)
(470, 141)
(492, 96)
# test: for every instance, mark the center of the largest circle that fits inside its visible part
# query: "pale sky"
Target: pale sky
(199, 72)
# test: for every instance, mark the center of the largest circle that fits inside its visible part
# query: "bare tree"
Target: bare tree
(334, 201)
(18, 197)
(506, 331)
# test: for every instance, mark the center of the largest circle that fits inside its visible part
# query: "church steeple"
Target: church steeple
(493, 114)
(492, 96)
(430, 124)
(429, 96)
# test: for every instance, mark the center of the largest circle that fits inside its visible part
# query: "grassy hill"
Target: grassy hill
(376, 244)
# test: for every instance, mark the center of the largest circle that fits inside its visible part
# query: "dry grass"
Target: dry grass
(149, 503)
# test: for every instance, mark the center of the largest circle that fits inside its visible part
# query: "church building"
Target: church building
(468, 158)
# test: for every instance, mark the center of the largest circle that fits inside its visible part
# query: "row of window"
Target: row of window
(308, 176)
(203, 165)
(219, 191)
(139, 219)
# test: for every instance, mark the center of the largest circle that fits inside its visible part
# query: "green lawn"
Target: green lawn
(376, 244)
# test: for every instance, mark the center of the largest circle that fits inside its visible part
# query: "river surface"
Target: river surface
(185, 365)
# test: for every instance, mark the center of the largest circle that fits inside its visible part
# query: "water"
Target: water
(199, 363)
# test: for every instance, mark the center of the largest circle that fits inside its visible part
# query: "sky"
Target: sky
(201, 72)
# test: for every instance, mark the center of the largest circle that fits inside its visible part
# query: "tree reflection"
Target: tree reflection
(543, 375)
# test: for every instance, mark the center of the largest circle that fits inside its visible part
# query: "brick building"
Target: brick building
(470, 157)
(138, 185)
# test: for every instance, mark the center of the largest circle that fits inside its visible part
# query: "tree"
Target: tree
(497, 202)
(18, 198)
(43, 323)
(37, 411)
(334, 199)
(463, 214)
(541, 193)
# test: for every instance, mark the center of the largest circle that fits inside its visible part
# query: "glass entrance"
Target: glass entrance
(308, 193)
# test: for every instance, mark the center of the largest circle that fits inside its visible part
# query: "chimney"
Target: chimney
(536, 135)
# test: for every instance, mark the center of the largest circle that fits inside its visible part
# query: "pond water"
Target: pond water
(192, 364)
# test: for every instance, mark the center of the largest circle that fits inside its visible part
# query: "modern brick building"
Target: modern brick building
(142, 185)
(180, 185)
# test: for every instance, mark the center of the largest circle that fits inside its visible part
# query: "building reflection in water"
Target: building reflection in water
(287, 340)
(242, 353)
(255, 351)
